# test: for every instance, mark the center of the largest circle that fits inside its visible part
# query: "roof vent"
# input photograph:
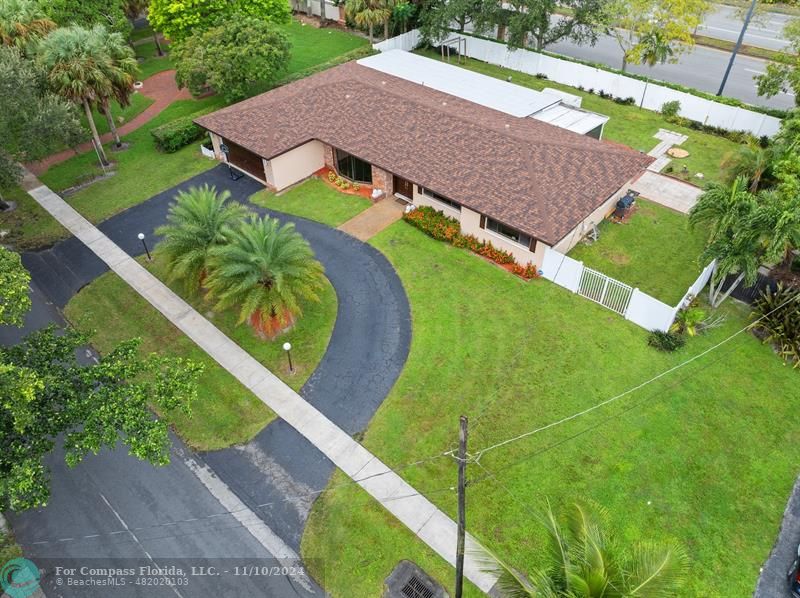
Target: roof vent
(444, 103)
(508, 126)
(409, 581)
(347, 96)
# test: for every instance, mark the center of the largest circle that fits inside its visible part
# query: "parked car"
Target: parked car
(794, 575)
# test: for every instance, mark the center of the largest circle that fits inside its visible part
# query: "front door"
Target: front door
(404, 188)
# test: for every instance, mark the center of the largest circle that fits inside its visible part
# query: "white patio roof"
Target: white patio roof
(484, 90)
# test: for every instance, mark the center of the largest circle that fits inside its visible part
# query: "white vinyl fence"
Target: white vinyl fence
(634, 305)
(648, 95)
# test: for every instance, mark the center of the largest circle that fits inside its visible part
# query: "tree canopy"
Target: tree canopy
(783, 76)
(23, 22)
(46, 395)
(179, 19)
(232, 57)
(88, 13)
(543, 22)
(34, 122)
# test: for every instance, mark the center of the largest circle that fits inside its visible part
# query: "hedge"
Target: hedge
(178, 133)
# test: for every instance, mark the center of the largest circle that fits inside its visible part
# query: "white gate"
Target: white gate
(606, 291)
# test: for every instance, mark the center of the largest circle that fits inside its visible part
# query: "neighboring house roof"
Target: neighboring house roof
(525, 173)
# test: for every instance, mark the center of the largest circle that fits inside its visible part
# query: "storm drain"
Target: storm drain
(414, 588)
(407, 580)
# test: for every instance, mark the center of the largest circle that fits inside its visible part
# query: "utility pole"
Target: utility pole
(462, 515)
(736, 48)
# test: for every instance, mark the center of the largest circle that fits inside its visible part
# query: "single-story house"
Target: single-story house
(471, 146)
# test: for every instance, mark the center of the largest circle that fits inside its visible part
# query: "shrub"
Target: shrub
(443, 228)
(689, 321)
(778, 321)
(178, 133)
(671, 108)
(540, 76)
(796, 264)
(665, 341)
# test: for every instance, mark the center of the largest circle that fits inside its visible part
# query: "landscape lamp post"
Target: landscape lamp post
(146, 250)
(288, 348)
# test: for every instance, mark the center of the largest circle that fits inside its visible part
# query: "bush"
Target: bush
(443, 228)
(665, 341)
(174, 135)
(778, 321)
(672, 108)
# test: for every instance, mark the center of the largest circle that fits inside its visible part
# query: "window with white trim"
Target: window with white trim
(439, 198)
(511, 234)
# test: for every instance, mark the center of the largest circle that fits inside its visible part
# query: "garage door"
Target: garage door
(245, 159)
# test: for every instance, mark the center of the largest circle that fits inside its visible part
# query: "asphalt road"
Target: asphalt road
(764, 31)
(700, 67)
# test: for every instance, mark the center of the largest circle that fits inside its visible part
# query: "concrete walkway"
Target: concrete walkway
(659, 152)
(416, 512)
(667, 191)
(374, 219)
(161, 88)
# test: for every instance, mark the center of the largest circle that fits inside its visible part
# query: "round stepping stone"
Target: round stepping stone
(677, 152)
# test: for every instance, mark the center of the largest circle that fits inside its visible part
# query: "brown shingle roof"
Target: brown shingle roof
(528, 174)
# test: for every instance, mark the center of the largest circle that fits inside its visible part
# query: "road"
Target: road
(764, 31)
(700, 67)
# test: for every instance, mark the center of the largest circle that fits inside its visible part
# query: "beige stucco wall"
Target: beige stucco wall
(471, 225)
(270, 176)
(216, 140)
(297, 164)
(423, 200)
(579, 232)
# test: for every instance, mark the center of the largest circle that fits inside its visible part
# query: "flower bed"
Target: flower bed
(443, 228)
(341, 184)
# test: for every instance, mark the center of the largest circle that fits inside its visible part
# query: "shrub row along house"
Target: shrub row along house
(480, 150)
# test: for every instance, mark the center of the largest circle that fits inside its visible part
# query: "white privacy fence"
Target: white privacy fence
(634, 305)
(648, 95)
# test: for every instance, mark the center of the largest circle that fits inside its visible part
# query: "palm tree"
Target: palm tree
(654, 49)
(736, 221)
(752, 162)
(121, 68)
(367, 13)
(267, 271)
(781, 224)
(196, 222)
(21, 22)
(76, 70)
(586, 560)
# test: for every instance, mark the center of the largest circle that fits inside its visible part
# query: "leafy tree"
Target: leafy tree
(437, 16)
(88, 67)
(33, 122)
(88, 13)
(540, 21)
(586, 559)
(368, 13)
(14, 281)
(653, 31)
(232, 57)
(197, 221)
(46, 395)
(267, 271)
(402, 13)
(783, 76)
(23, 21)
(178, 19)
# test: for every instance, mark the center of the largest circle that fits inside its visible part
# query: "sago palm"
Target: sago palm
(266, 270)
(586, 560)
(196, 222)
(76, 70)
(22, 22)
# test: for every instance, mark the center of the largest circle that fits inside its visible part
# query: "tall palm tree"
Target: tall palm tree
(121, 68)
(21, 22)
(752, 162)
(76, 70)
(586, 560)
(196, 222)
(368, 13)
(267, 271)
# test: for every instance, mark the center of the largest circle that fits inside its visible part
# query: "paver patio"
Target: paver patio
(415, 511)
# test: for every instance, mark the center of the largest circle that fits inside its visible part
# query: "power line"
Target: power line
(483, 451)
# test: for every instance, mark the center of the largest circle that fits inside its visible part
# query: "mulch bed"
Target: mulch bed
(363, 191)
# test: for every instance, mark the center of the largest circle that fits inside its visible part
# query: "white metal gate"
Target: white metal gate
(607, 291)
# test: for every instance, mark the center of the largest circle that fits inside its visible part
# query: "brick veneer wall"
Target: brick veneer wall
(328, 154)
(382, 180)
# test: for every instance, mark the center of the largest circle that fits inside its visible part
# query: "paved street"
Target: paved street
(764, 31)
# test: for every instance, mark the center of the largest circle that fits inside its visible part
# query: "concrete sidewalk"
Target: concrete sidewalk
(374, 219)
(416, 512)
(667, 191)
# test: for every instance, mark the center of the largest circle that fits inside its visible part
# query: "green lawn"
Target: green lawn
(150, 62)
(703, 456)
(312, 46)
(139, 104)
(314, 200)
(629, 125)
(655, 251)
(28, 226)
(225, 412)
